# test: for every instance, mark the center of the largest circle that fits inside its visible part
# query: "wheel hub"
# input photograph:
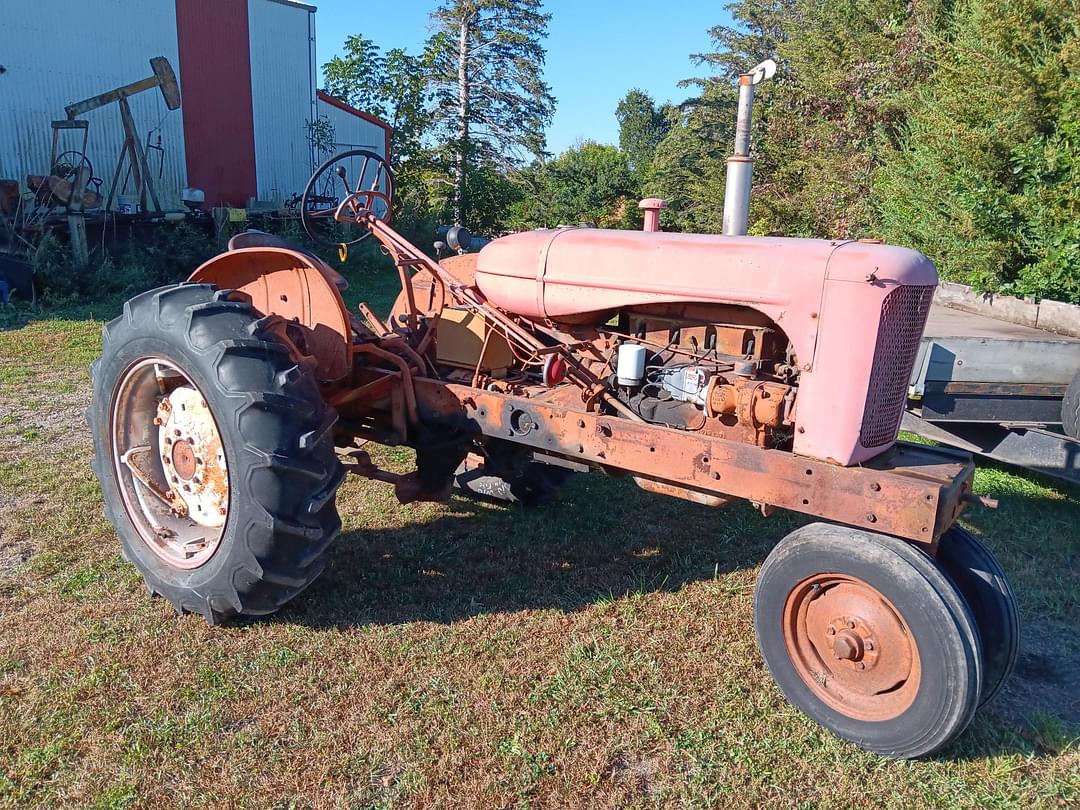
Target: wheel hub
(183, 459)
(849, 644)
(169, 462)
(192, 455)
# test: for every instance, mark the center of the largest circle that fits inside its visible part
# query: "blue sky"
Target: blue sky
(597, 50)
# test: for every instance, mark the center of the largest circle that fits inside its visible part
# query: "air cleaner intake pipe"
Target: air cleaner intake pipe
(740, 166)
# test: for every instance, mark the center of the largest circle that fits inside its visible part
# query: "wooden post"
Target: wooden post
(140, 168)
(80, 252)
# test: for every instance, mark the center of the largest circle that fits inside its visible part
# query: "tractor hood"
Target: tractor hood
(569, 272)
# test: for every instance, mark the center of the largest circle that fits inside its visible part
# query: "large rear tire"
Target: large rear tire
(228, 509)
(869, 637)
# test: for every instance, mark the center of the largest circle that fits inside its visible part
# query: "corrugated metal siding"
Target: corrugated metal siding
(216, 80)
(352, 132)
(57, 52)
(283, 92)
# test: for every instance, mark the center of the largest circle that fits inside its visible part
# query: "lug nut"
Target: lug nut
(860, 665)
(869, 644)
(850, 625)
(831, 631)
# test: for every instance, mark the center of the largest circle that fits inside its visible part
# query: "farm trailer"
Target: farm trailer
(1005, 390)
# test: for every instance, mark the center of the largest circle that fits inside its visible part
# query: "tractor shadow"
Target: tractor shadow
(603, 539)
(599, 539)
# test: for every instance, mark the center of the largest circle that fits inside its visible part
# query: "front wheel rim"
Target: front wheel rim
(851, 647)
(169, 462)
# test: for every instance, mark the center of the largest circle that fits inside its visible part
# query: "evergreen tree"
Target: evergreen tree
(642, 125)
(985, 181)
(492, 102)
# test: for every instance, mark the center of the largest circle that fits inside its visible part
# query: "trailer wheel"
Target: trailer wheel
(1070, 408)
(986, 589)
(870, 638)
(215, 453)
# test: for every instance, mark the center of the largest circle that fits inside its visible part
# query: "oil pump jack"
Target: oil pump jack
(132, 154)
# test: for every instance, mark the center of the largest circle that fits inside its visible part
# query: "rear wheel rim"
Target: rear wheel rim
(169, 462)
(851, 647)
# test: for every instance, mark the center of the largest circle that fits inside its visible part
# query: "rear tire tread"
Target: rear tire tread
(282, 510)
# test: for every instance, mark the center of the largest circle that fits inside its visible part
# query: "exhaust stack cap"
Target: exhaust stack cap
(740, 166)
(652, 206)
(761, 72)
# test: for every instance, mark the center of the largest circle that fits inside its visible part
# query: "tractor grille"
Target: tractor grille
(903, 316)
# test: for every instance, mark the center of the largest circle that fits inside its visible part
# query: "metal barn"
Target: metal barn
(247, 76)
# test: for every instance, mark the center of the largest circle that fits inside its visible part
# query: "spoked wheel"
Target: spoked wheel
(215, 453)
(982, 581)
(870, 638)
(341, 192)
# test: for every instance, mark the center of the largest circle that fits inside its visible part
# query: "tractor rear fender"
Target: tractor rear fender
(297, 287)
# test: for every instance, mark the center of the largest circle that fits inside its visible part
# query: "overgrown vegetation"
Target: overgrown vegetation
(167, 254)
(951, 126)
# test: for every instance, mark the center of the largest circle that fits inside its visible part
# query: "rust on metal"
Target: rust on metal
(170, 463)
(851, 647)
(919, 490)
(183, 460)
(300, 289)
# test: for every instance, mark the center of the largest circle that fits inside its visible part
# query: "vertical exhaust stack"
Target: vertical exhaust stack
(740, 166)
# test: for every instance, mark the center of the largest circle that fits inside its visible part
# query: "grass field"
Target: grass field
(598, 652)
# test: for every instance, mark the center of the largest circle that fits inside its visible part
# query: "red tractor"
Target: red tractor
(227, 410)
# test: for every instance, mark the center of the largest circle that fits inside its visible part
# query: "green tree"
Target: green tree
(393, 86)
(492, 104)
(642, 125)
(589, 183)
(357, 78)
(688, 167)
(985, 180)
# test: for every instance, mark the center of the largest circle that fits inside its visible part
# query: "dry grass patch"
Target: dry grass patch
(597, 653)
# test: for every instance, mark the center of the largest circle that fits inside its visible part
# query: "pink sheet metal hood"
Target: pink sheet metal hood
(828, 297)
(570, 271)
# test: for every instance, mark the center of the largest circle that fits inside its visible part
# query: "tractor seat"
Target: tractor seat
(253, 239)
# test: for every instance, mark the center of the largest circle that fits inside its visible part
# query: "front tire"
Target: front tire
(238, 520)
(986, 589)
(869, 637)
